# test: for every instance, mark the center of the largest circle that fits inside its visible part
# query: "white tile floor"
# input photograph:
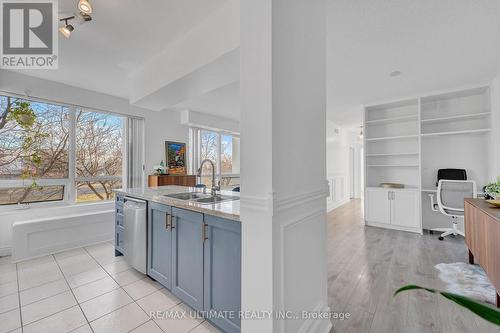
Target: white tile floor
(86, 290)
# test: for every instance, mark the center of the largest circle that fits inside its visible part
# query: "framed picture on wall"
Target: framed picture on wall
(176, 157)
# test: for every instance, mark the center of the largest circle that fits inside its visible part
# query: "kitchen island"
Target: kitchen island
(193, 248)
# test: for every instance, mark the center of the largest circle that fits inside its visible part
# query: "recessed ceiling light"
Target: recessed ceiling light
(85, 7)
(394, 73)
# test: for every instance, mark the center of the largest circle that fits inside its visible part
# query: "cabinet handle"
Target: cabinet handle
(204, 232)
(168, 221)
(172, 217)
(389, 195)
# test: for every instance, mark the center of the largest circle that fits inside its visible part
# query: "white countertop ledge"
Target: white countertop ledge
(226, 209)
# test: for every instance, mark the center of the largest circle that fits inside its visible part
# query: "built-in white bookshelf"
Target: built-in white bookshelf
(391, 143)
(407, 141)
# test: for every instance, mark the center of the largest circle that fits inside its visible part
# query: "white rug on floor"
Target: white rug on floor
(467, 280)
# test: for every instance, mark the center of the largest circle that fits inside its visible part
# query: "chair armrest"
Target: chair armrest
(433, 204)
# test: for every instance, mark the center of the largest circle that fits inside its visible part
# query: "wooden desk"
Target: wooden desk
(482, 236)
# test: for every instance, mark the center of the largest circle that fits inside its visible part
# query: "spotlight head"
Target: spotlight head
(84, 6)
(84, 17)
(66, 30)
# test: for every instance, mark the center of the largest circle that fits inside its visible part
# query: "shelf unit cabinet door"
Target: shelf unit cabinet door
(405, 209)
(223, 271)
(160, 244)
(187, 257)
(377, 206)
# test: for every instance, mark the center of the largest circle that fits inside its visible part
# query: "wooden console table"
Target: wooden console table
(162, 180)
(482, 236)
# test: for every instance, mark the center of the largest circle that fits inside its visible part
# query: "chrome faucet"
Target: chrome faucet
(215, 188)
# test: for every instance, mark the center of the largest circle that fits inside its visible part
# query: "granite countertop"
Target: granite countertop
(227, 209)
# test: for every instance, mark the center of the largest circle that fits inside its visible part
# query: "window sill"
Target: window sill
(14, 209)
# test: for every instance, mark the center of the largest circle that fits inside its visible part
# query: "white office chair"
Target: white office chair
(450, 202)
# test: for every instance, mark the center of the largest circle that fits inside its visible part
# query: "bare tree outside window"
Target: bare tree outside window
(98, 155)
(33, 145)
(224, 150)
(34, 152)
(208, 150)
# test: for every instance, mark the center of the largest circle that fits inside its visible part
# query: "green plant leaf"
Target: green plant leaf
(412, 287)
(482, 310)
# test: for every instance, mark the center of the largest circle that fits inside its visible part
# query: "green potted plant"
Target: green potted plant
(493, 189)
(483, 310)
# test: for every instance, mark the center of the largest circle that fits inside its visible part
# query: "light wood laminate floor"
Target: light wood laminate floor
(366, 265)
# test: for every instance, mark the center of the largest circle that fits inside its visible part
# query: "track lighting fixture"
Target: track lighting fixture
(85, 7)
(84, 11)
(67, 29)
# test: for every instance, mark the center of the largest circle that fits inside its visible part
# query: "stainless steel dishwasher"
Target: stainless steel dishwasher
(135, 234)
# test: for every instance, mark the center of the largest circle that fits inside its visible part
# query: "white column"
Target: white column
(283, 162)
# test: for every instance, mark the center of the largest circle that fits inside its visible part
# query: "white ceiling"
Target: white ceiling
(435, 44)
(101, 54)
(222, 102)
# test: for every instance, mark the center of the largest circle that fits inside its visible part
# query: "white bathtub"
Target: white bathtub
(40, 231)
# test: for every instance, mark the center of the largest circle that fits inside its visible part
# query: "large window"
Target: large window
(223, 149)
(51, 152)
(98, 155)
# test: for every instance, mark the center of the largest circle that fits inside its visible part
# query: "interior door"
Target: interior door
(377, 206)
(405, 209)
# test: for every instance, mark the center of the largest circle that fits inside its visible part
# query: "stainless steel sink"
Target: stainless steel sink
(216, 199)
(187, 196)
(204, 199)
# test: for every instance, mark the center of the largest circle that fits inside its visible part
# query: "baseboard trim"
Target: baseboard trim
(330, 207)
(393, 227)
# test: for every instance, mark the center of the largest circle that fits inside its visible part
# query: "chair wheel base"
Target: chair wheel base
(441, 238)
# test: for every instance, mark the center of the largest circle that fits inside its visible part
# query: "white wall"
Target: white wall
(495, 125)
(159, 126)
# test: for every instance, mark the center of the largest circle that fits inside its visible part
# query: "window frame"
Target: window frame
(195, 150)
(70, 192)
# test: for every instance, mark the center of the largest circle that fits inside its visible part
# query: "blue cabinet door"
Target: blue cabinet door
(222, 289)
(187, 257)
(160, 244)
